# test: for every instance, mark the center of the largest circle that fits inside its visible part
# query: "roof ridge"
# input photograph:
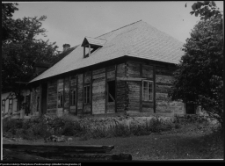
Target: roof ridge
(119, 28)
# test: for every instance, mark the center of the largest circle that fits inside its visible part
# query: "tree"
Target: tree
(21, 50)
(198, 78)
(7, 10)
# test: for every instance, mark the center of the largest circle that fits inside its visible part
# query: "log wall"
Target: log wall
(73, 86)
(66, 103)
(164, 105)
(80, 94)
(110, 107)
(87, 81)
(60, 87)
(52, 97)
(121, 88)
(98, 91)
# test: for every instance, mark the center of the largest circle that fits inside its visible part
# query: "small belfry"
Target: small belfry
(92, 45)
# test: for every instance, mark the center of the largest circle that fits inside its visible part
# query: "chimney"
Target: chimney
(66, 47)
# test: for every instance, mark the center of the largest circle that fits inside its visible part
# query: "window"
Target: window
(3, 105)
(73, 97)
(87, 94)
(147, 90)
(60, 100)
(111, 91)
(10, 106)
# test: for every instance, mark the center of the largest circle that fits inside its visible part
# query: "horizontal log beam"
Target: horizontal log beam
(59, 149)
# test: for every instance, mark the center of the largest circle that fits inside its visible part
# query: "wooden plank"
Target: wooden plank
(55, 157)
(87, 77)
(162, 96)
(147, 71)
(164, 71)
(130, 79)
(66, 93)
(98, 98)
(147, 104)
(164, 79)
(107, 91)
(133, 69)
(121, 70)
(163, 88)
(59, 148)
(91, 86)
(115, 89)
(154, 85)
(80, 92)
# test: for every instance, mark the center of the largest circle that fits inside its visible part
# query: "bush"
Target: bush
(43, 127)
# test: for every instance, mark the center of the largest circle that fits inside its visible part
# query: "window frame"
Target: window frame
(73, 97)
(109, 93)
(86, 101)
(143, 90)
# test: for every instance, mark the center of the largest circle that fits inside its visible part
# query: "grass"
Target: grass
(43, 127)
(186, 138)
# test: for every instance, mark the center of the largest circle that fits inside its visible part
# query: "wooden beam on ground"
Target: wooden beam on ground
(59, 148)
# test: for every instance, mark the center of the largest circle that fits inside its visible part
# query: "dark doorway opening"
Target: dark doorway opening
(111, 91)
(44, 98)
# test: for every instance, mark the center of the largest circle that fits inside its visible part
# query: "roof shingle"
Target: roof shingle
(136, 40)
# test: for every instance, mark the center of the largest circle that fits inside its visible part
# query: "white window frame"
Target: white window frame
(143, 90)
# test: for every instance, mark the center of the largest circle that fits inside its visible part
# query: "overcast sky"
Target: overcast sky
(70, 22)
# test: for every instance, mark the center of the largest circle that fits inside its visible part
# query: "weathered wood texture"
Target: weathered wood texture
(110, 108)
(61, 153)
(110, 76)
(60, 86)
(66, 95)
(87, 81)
(73, 86)
(98, 91)
(111, 73)
(133, 69)
(33, 101)
(52, 97)
(87, 77)
(147, 71)
(133, 95)
(164, 105)
(80, 94)
(121, 90)
(38, 108)
(136, 72)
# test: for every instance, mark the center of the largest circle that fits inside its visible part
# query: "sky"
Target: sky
(69, 22)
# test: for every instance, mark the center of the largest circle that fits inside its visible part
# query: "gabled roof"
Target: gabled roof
(92, 41)
(135, 40)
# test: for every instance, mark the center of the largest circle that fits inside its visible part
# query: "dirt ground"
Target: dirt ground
(188, 143)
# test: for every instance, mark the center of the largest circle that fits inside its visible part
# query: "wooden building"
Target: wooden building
(126, 71)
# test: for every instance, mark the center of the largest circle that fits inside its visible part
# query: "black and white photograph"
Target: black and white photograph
(112, 81)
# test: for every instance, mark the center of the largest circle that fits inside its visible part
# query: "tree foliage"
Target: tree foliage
(7, 12)
(198, 78)
(206, 10)
(21, 50)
